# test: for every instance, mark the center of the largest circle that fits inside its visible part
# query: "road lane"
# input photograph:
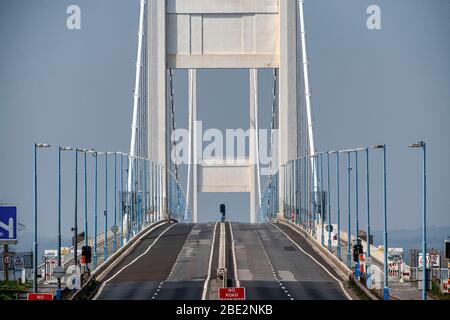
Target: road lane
(302, 272)
(187, 278)
(254, 269)
(141, 279)
(270, 266)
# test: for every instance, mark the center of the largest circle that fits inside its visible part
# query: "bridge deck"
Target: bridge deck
(173, 263)
(271, 267)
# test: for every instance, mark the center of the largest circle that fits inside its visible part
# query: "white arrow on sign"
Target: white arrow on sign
(8, 227)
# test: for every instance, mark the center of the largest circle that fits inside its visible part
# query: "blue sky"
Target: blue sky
(369, 86)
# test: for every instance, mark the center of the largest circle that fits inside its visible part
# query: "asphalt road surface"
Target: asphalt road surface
(171, 263)
(175, 261)
(271, 267)
(140, 275)
(187, 278)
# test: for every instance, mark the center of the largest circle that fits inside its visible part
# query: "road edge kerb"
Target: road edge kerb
(341, 269)
(118, 256)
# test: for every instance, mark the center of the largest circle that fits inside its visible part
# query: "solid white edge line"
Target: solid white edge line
(323, 267)
(205, 285)
(129, 264)
(236, 278)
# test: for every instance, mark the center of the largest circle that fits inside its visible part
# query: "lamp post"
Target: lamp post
(322, 209)
(95, 154)
(127, 202)
(121, 199)
(115, 204)
(145, 192)
(386, 284)
(75, 227)
(349, 235)
(105, 230)
(86, 238)
(152, 191)
(35, 245)
(338, 200)
(329, 201)
(356, 151)
(423, 146)
(305, 194)
(367, 202)
(59, 212)
(356, 197)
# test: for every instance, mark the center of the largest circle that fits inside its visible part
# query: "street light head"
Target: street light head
(65, 148)
(419, 144)
(378, 146)
(42, 145)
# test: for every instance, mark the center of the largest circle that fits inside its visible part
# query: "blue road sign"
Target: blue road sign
(8, 224)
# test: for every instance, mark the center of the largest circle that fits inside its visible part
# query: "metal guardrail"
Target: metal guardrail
(68, 258)
(117, 256)
(222, 267)
(344, 272)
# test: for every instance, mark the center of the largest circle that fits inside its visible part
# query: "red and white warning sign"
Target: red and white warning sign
(231, 293)
(39, 296)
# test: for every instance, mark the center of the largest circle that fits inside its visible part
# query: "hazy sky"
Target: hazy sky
(74, 87)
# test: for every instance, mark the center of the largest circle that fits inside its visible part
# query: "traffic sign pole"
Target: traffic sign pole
(5, 263)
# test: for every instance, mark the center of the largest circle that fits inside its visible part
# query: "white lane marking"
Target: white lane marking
(162, 283)
(205, 286)
(129, 264)
(267, 256)
(236, 278)
(323, 267)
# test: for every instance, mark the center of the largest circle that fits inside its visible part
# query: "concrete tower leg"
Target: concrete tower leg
(157, 90)
(287, 141)
(192, 74)
(252, 137)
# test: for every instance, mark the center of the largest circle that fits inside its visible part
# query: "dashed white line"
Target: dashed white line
(129, 264)
(270, 263)
(318, 263)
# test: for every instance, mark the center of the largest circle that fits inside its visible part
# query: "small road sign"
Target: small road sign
(8, 225)
(231, 293)
(6, 259)
(18, 262)
(40, 296)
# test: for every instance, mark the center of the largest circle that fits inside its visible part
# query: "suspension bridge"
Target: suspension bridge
(294, 246)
